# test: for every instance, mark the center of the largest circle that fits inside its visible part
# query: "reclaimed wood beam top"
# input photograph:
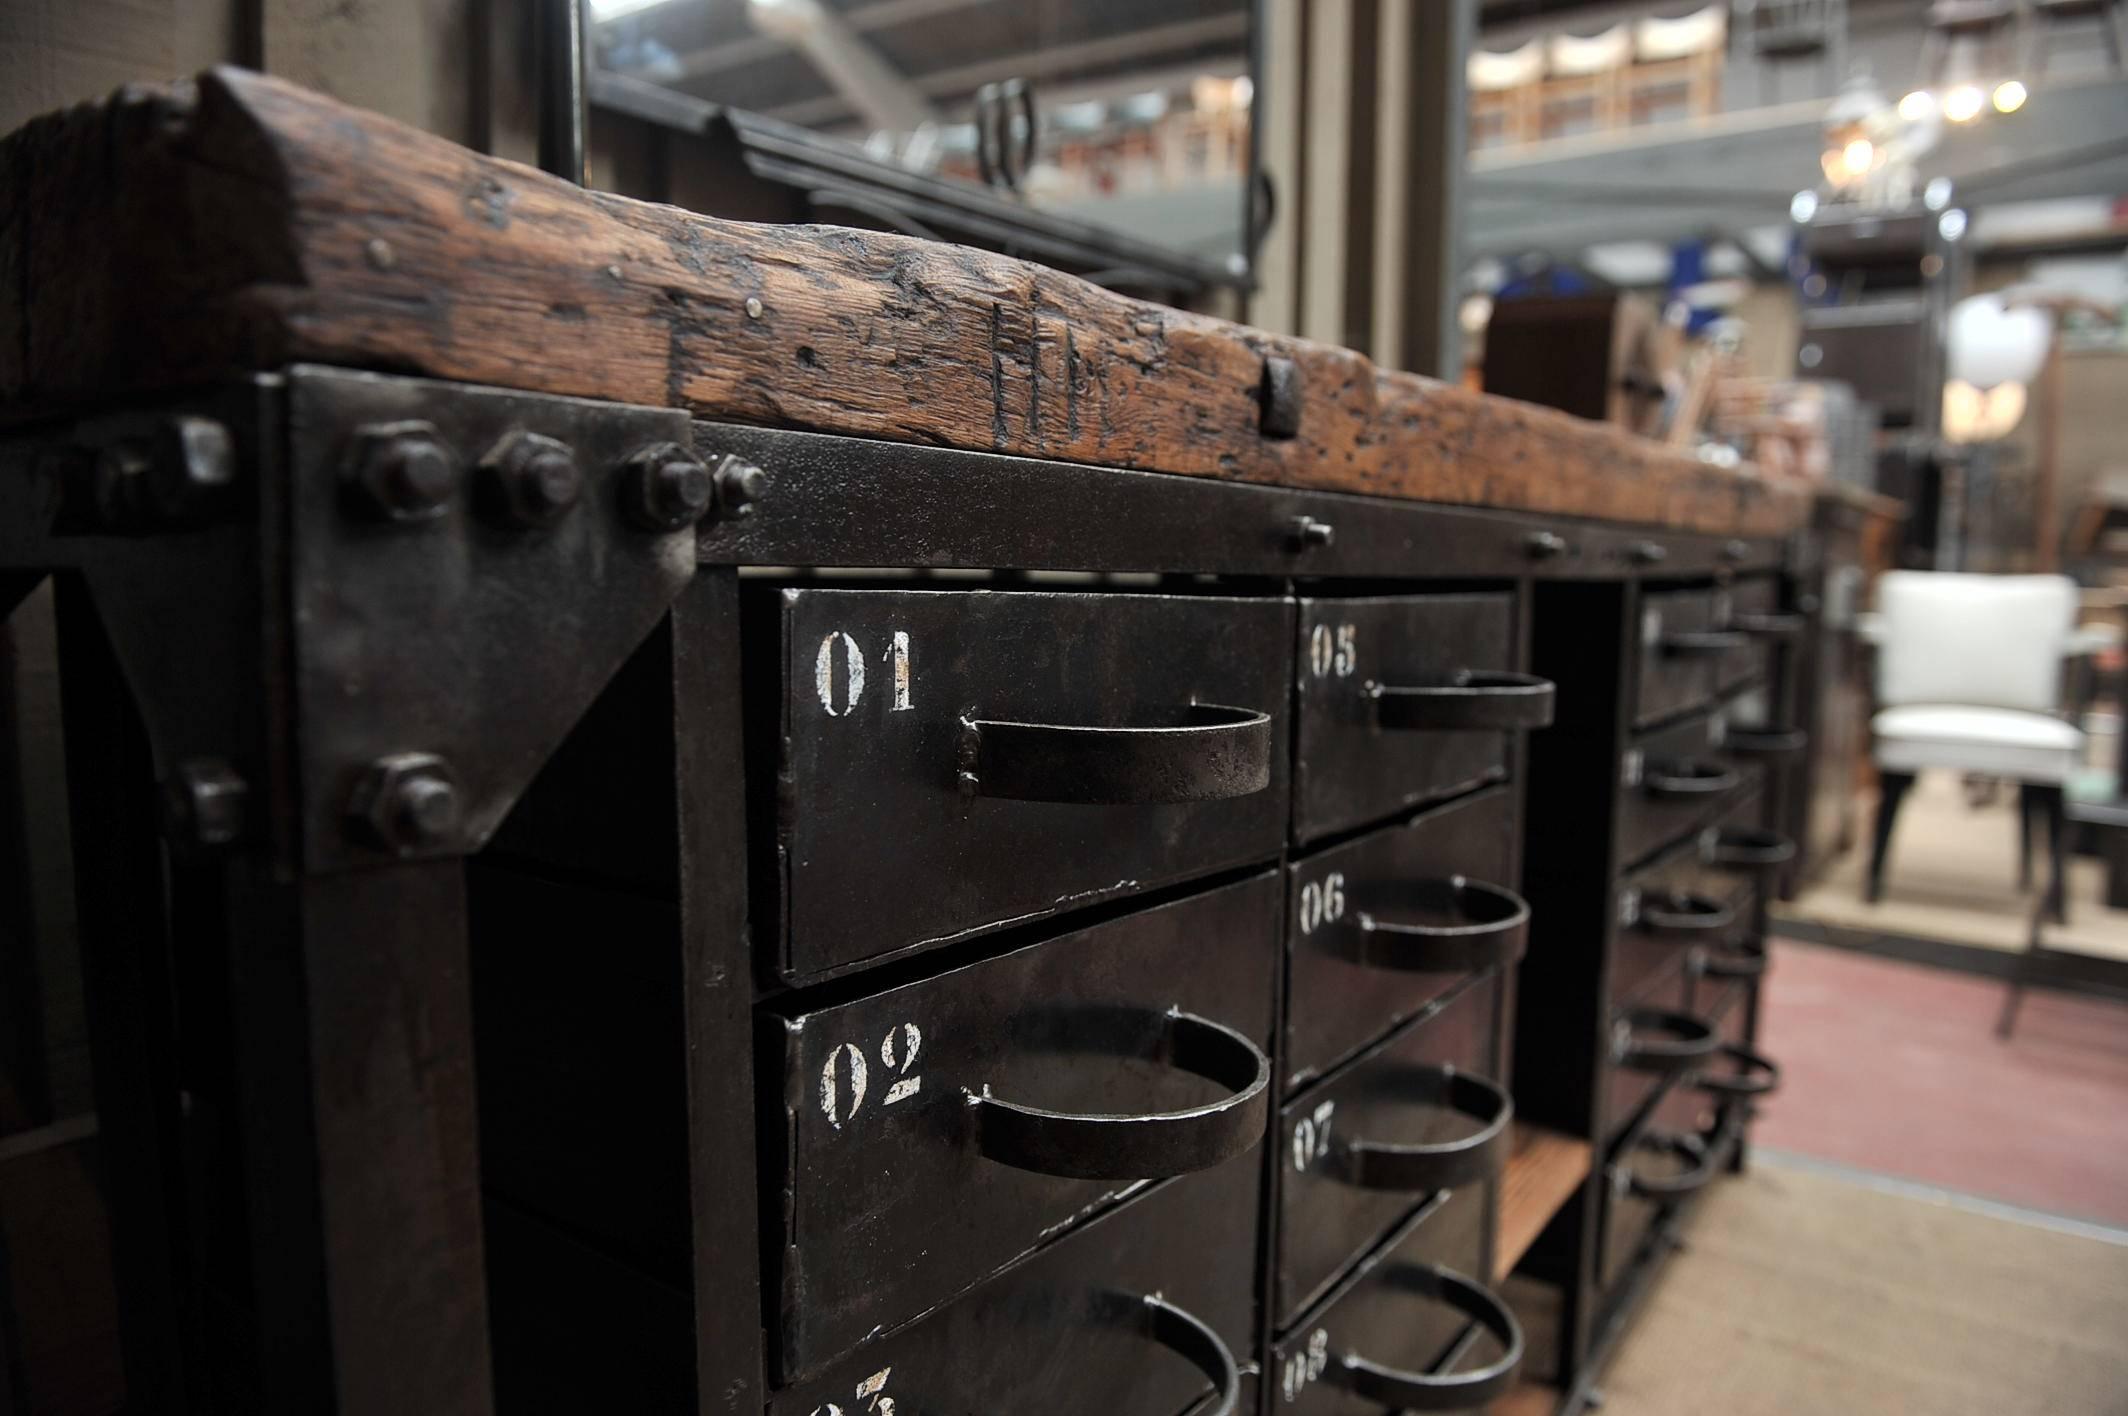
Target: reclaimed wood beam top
(172, 234)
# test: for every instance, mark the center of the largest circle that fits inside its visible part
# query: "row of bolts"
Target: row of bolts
(400, 472)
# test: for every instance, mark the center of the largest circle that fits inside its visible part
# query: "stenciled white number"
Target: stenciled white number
(1311, 1135)
(1322, 902)
(897, 654)
(845, 1075)
(872, 1391)
(1306, 1366)
(1333, 650)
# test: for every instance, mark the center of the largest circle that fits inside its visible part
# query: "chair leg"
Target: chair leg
(2055, 800)
(2027, 804)
(2013, 995)
(1891, 790)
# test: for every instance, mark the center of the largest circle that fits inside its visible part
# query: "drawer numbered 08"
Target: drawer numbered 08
(951, 761)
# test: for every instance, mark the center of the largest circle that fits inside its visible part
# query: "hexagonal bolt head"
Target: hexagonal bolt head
(528, 479)
(739, 485)
(664, 487)
(401, 471)
(407, 802)
(204, 804)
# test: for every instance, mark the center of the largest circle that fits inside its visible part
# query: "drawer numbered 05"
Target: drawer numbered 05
(939, 1130)
(951, 761)
(1403, 700)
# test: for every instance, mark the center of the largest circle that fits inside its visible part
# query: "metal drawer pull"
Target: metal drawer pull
(1702, 643)
(1768, 626)
(1470, 699)
(1704, 1155)
(1687, 779)
(1688, 1041)
(1443, 1391)
(1138, 1147)
(1767, 741)
(1733, 963)
(1746, 849)
(1681, 913)
(1481, 1155)
(1184, 1334)
(1756, 1074)
(1211, 754)
(1451, 925)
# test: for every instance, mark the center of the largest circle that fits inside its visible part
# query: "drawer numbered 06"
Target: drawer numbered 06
(947, 762)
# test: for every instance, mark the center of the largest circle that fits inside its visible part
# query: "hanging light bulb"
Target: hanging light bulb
(1963, 103)
(1856, 157)
(2010, 95)
(1917, 105)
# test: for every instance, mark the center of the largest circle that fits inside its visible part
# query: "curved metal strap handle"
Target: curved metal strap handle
(1688, 1041)
(1768, 626)
(1732, 963)
(1186, 1335)
(1148, 1145)
(1687, 779)
(1442, 1391)
(1705, 1158)
(1451, 925)
(1470, 699)
(1422, 1169)
(1682, 913)
(1764, 741)
(1746, 850)
(1215, 753)
(1759, 1075)
(1702, 643)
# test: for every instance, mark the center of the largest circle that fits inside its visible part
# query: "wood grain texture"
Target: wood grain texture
(1544, 1170)
(242, 223)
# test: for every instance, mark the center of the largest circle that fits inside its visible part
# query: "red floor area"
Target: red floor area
(1895, 1068)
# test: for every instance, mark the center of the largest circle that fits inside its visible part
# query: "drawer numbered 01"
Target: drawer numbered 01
(951, 761)
(1405, 699)
(939, 1130)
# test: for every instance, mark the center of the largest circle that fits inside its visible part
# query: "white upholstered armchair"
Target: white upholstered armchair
(1969, 672)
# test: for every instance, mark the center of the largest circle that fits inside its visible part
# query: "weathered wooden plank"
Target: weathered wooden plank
(240, 222)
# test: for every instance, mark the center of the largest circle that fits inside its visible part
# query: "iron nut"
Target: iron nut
(664, 487)
(1308, 534)
(402, 471)
(739, 485)
(204, 804)
(529, 479)
(407, 802)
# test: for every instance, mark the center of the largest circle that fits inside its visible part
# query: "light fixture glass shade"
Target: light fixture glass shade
(1993, 343)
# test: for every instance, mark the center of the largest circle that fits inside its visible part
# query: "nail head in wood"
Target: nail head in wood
(1278, 398)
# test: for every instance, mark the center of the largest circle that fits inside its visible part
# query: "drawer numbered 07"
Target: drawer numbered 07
(948, 762)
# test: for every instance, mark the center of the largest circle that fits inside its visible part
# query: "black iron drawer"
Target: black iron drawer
(955, 760)
(1404, 699)
(1414, 1116)
(1672, 782)
(940, 1129)
(1652, 1041)
(1675, 905)
(1751, 608)
(1682, 642)
(1686, 1139)
(1374, 1343)
(1377, 927)
(1138, 1313)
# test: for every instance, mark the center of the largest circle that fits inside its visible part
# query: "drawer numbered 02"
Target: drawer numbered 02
(951, 761)
(939, 1130)
(1403, 700)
